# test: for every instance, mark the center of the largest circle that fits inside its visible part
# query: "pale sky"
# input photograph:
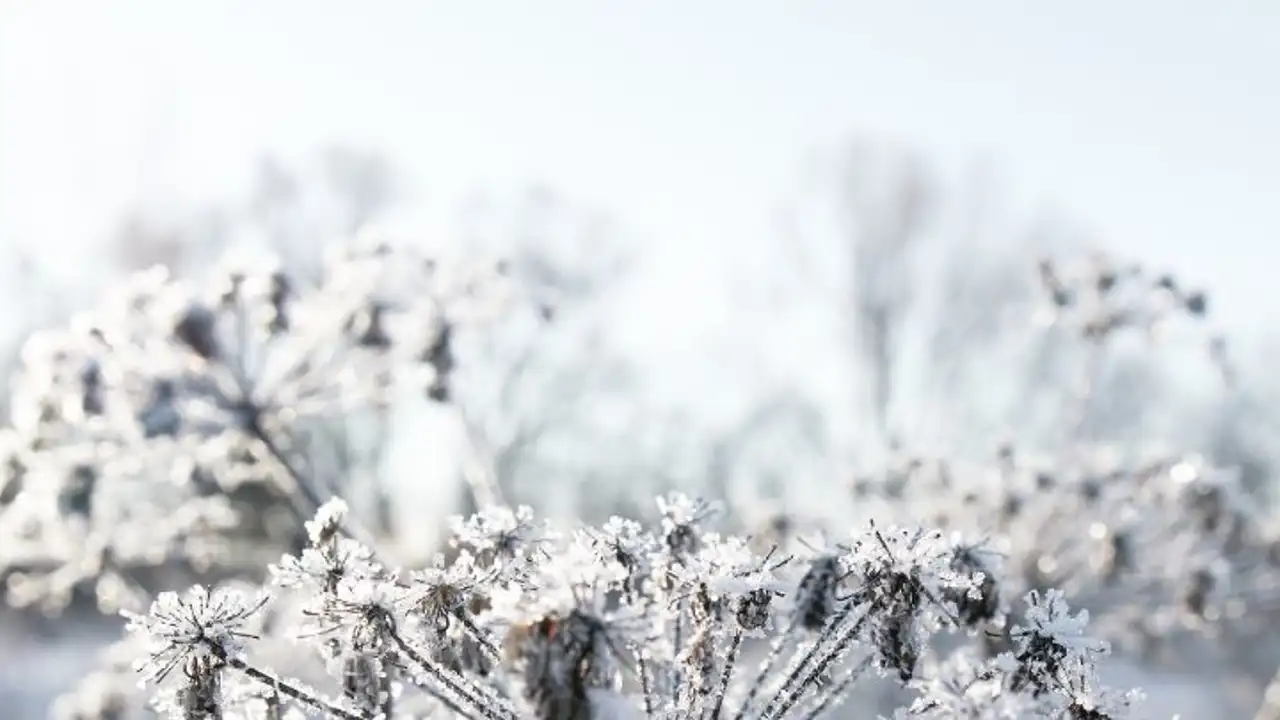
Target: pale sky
(1156, 123)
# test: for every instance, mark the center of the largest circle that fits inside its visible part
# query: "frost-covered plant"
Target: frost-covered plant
(193, 412)
(671, 620)
(1158, 548)
(218, 415)
(1159, 545)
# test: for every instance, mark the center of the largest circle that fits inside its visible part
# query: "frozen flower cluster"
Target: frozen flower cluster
(615, 621)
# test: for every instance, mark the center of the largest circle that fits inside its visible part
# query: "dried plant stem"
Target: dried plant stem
(820, 656)
(730, 661)
(488, 707)
(479, 635)
(284, 687)
(766, 667)
(837, 692)
(478, 470)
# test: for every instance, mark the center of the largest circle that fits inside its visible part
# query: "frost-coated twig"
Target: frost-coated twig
(644, 668)
(767, 666)
(303, 484)
(730, 662)
(838, 691)
(478, 634)
(484, 704)
(820, 656)
(478, 468)
(296, 692)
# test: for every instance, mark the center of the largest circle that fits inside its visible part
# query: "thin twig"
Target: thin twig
(491, 708)
(284, 687)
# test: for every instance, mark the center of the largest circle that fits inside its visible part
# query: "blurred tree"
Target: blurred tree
(886, 208)
(932, 289)
(292, 210)
(534, 385)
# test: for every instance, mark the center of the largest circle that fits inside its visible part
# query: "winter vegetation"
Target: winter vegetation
(215, 453)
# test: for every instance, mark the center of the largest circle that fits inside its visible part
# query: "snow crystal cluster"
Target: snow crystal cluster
(520, 619)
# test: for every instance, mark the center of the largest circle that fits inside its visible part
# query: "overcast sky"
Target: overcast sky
(1156, 123)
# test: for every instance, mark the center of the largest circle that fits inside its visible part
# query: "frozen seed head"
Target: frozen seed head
(443, 591)
(365, 610)
(682, 517)
(497, 535)
(328, 522)
(1052, 645)
(319, 570)
(627, 544)
(1049, 616)
(728, 567)
(817, 595)
(199, 626)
